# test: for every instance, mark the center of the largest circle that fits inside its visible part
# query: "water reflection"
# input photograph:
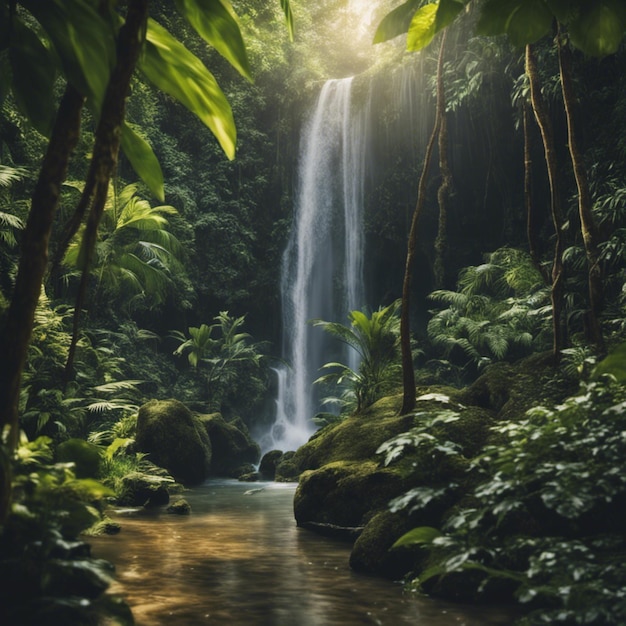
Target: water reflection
(239, 559)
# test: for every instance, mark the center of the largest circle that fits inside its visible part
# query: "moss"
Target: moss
(231, 446)
(345, 492)
(372, 553)
(174, 439)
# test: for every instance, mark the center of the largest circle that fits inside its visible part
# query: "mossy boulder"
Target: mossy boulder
(138, 489)
(179, 507)
(372, 552)
(286, 470)
(343, 493)
(510, 389)
(85, 456)
(231, 444)
(174, 439)
(269, 461)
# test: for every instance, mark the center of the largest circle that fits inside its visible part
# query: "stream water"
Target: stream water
(239, 559)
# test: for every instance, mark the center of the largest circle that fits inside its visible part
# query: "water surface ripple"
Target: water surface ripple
(239, 559)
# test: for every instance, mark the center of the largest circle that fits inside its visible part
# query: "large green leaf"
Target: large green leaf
(599, 29)
(422, 28)
(397, 21)
(84, 41)
(143, 160)
(176, 71)
(495, 16)
(422, 535)
(564, 10)
(614, 364)
(216, 22)
(286, 6)
(530, 22)
(34, 72)
(447, 12)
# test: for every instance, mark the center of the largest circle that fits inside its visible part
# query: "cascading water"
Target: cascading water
(322, 271)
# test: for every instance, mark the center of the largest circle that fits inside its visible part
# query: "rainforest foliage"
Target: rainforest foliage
(147, 175)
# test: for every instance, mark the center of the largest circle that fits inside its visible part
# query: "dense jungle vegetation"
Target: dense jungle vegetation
(140, 250)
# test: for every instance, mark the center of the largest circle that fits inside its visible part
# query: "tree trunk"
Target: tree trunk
(445, 186)
(32, 266)
(529, 205)
(588, 226)
(107, 145)
(547, 135)
(408, 371)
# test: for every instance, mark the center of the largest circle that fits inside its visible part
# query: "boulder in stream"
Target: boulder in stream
(231, 444)
(174, 439)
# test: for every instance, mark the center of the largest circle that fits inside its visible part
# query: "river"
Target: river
(239, 559)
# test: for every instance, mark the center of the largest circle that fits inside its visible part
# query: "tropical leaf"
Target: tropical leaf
(422, 28)
(33, 72)
(84, 41)
(396, 22)
(143, 160)
(173, 69)
(216, 22)
(286, 6)
(599, 28)
(418, 536)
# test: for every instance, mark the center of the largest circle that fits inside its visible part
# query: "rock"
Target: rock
(251, 477)
(269, 461)
(174, 439)
(372, 553)
(344, 493)
(231, 446)
(139, 489)
(286, 469)
(85, 456)
(180, 507)
(244, 470)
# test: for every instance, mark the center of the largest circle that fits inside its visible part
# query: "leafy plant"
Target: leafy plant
(222, 356)
(45, 569)
(501, 310)
(546, 514)
(376, 341)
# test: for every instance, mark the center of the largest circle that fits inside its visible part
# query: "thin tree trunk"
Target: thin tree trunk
(547, 135)
(529, 205)
(408, 371)
(445, 187)
(19, 321)
(107, 145)
(588, 226)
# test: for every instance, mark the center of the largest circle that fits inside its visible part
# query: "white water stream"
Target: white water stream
(322, 270)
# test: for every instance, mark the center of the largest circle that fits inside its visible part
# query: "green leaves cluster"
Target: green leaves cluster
(224, 358)
(376, 341)
(595, 26)
(501, 310)
(546, 514)
(41, 41)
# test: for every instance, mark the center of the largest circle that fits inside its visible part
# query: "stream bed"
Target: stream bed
(239, 559)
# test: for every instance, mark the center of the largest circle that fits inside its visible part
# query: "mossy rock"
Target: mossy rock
(174, 439)
(372, 553)
(286, 470)
(269, 461)
(85, 456)
(232, 447)
(512, 389)
(343, 493)
(139, 489)
(180, 507)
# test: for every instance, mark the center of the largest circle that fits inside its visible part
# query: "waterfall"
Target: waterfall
(322, 267)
